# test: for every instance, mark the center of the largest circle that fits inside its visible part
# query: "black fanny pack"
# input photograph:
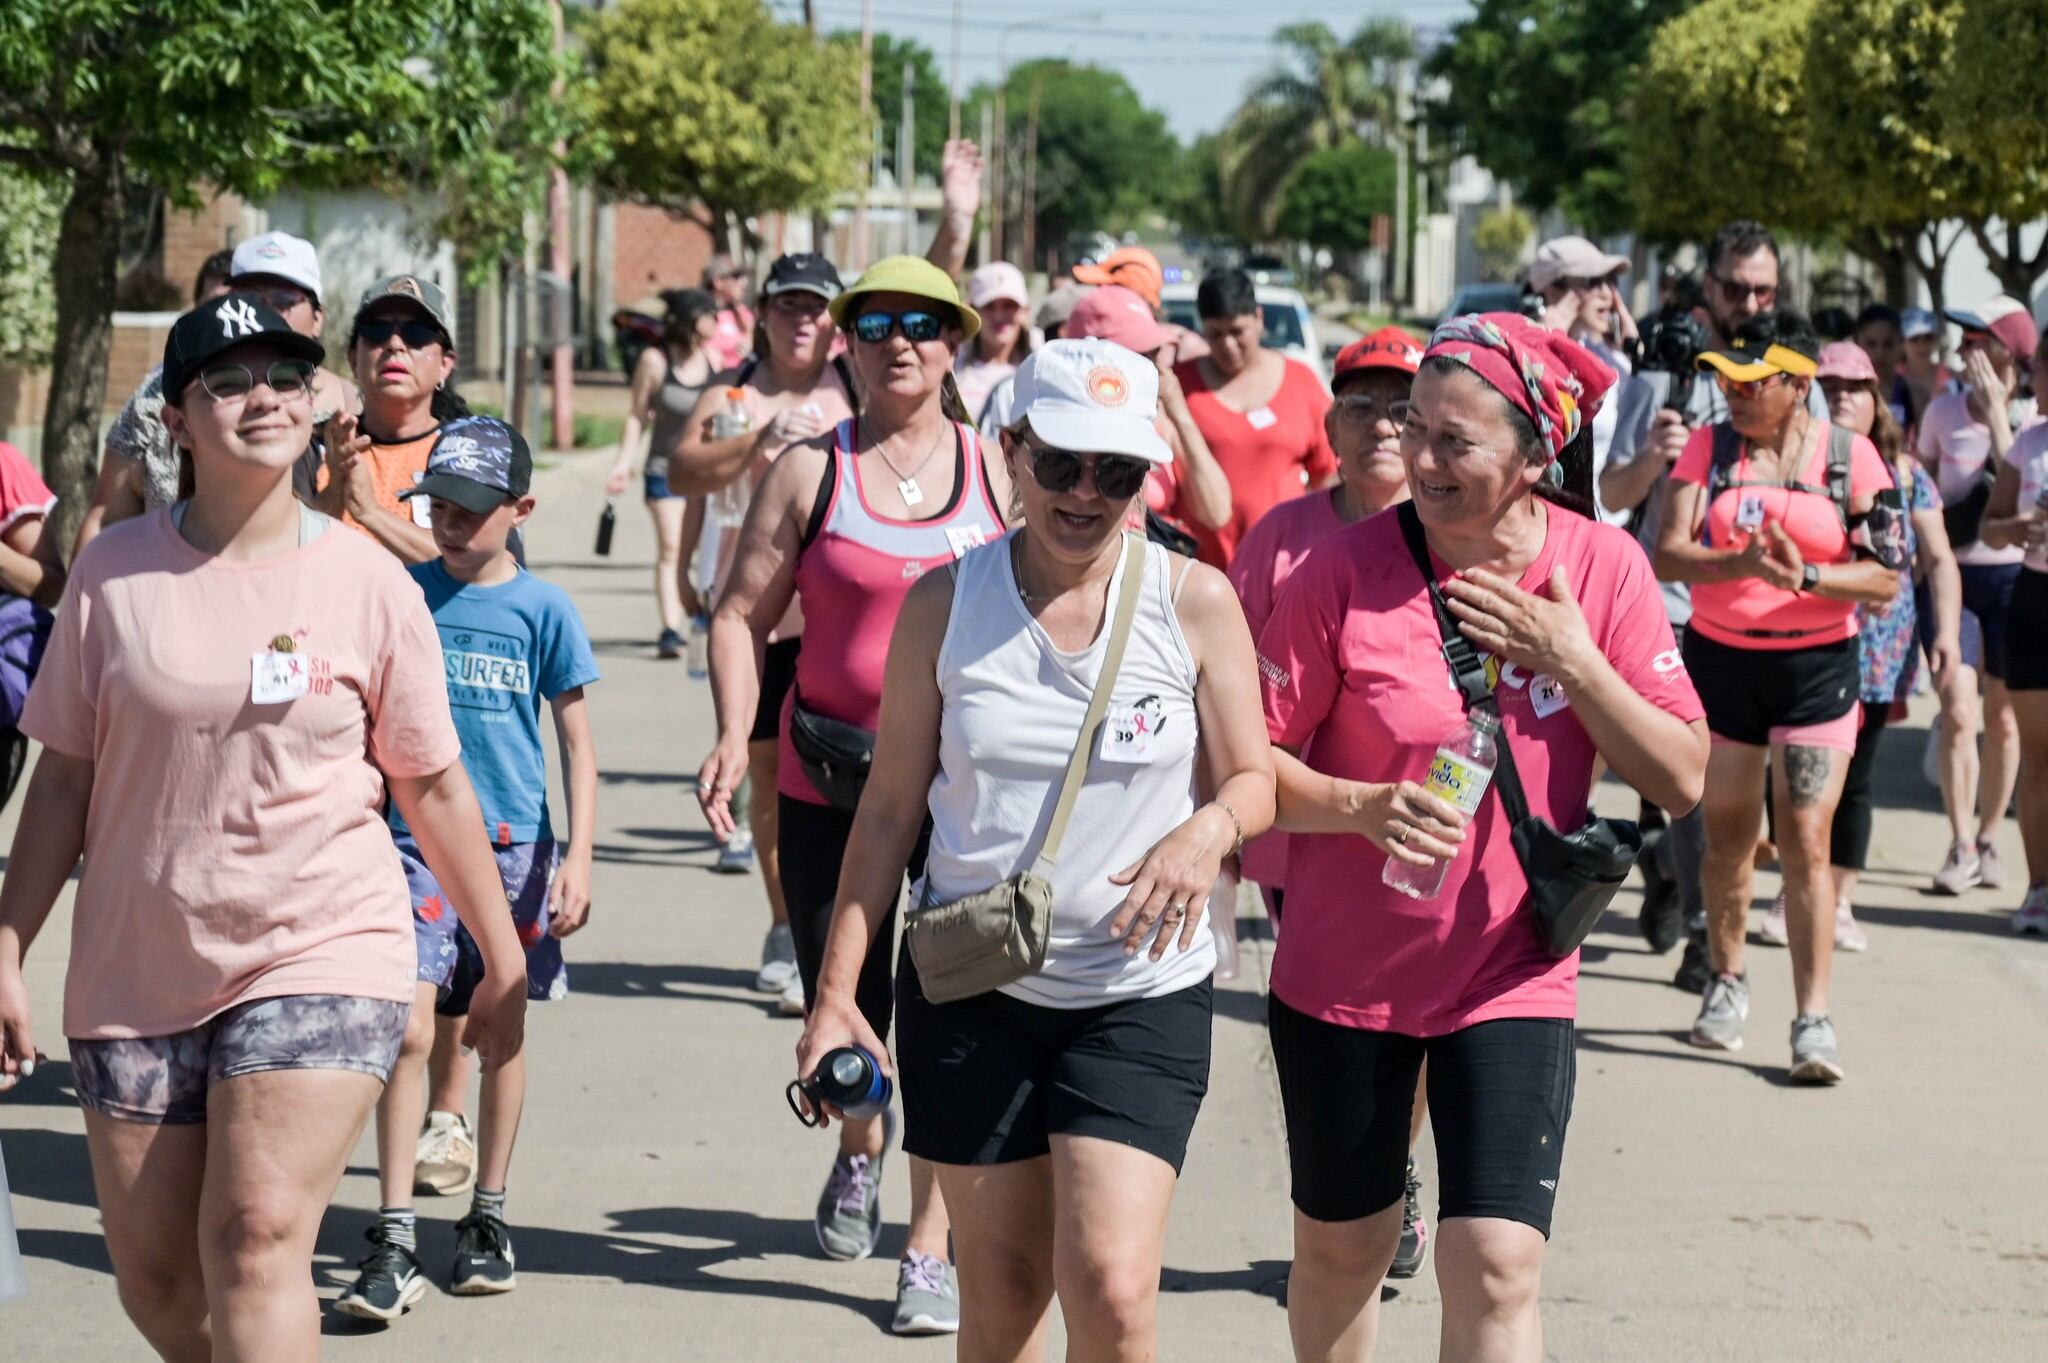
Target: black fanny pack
(1572, 876)
(836, 755)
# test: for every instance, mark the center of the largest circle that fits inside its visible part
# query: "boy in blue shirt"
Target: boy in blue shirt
(508, 641)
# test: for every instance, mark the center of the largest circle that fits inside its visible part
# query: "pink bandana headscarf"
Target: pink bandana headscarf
(1548, 377)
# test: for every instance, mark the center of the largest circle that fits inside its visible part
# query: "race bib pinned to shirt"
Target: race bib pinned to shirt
(277, 678)
(1128, 731)
(1749, 512)
(1262, 419)
(1546, 695)
(961, 538)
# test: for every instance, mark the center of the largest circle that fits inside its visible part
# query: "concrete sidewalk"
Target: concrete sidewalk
(661, 1197)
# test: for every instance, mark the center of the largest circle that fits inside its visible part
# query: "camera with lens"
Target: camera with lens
(1672, 343)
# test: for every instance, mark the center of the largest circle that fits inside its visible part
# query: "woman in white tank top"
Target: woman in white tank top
(1088, 1072)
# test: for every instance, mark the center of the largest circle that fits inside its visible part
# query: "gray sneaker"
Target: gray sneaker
(1962, 871)
(927, 1297)
(1815, 1060)
(1990, 866)
(778, 961)
(849, 1219)
(1722, 1010)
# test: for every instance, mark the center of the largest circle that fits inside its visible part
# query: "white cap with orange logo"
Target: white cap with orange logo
(1091, 397)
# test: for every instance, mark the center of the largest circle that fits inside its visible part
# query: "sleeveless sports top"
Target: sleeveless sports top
(1011, 704)
(673, 403)
(851, 578)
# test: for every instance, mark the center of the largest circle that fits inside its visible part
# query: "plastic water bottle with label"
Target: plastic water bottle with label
(729, 503)
(699, 652)
(1458, 775)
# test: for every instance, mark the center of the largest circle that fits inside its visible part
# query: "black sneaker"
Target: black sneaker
(1414, 1246)
(1696, 970)
(390, 1283)
(1663, 917)
(483, 1257)
(669, 645)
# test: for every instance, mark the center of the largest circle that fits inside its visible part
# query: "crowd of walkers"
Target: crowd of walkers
(1036, 629)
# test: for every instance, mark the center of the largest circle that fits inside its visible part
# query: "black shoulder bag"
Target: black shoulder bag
(1572, 876)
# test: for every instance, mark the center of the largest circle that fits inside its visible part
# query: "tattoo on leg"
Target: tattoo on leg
(1806, 774)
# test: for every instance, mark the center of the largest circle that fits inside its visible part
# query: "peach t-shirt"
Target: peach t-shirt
(393, 469)
(235, 850)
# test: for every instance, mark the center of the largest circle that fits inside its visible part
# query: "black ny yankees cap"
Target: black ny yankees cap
(221, 324)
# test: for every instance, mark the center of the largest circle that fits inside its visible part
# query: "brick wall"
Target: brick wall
(653, 250)
(189, 238)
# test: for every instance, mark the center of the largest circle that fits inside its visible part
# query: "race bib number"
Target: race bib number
(1546, 696)
(275, 678)
(1749, 512)
(1457, 782)
(1262, 419)
(1128, 731)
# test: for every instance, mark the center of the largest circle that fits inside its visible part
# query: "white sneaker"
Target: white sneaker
(1849, 934)
(736, 858)
(778, 961)
(1773, 932)
(444, 1161)
(791, 1004)
(2032, 919)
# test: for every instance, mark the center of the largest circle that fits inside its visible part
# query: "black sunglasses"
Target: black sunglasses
(287, 378)
(1117, 476)
(875, 327)
(416, 332)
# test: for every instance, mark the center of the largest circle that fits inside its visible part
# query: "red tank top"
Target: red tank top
(851, 580)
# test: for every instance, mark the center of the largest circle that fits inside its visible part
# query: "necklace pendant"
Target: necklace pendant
(912, 494)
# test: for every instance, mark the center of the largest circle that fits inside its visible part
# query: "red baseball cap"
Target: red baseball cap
(1387, 348)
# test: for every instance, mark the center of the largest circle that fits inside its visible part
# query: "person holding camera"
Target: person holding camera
(1580, 287)
(1963, 440)
(1782, 524)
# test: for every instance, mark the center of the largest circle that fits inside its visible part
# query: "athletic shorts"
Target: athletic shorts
(2026, 634)
(991, 1079)
(654, 482)
(1805, 697)
(816, 836)
(447, 951)
(1500, 1096)
(163, 1080)
(1987, 594)
(778, 674)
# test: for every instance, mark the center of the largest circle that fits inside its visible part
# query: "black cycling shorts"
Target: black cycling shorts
(1747, 692)
(2025, 643)
(778, 674)
(991, 1079)
(1500, 1096)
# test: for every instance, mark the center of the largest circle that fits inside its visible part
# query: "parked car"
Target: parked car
(1484, 298)
(1290, 327)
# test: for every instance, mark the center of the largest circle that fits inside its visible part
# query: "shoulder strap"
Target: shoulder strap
(747, 368)
(845, 373)
(1098, 704)
(1465, 665)
(828, 488)
(1841, 445)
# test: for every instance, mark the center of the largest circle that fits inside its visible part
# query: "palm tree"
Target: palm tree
(1323, 94)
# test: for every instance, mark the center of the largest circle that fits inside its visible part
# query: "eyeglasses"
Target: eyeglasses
(797, 303)
(1362, 409)
(289, 379)
(1766, 294)
(1751, 388)
(277, 299)
(416, 332)
(1117, 476)
(876, 327)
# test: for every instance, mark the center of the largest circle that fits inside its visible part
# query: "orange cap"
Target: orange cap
(1134, 267)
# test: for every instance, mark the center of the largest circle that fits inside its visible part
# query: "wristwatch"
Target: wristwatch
(1810, 578)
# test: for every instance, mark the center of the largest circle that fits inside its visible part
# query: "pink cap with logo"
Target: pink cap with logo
(1847, 361)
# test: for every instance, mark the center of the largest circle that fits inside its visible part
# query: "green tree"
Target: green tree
(1502, 236)
(246, 95)
(1537, 91)
(1718, 125)
(713, 110)
(928, 88)
(1335, 196)
(1197, 202)
(29, 207)
(1103, 160)
(1324, 94)
(1996, 119)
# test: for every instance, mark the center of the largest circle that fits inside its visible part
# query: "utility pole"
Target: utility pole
(867, 115)
(998, 153)
(988, 169)
(1031, 178)
(906, 159)
(562, 356)
(1397, 285)
(953, 95)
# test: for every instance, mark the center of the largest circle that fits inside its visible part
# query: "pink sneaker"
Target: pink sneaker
(1773, 932)
(2032, 919)
(1849, 934)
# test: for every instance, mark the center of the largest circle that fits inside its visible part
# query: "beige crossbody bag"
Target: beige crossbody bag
(998, 936)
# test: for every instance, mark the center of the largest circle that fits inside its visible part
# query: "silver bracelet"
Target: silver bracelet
(1235, 822)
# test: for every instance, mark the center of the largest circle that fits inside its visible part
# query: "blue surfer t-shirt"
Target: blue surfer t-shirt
(505, 649)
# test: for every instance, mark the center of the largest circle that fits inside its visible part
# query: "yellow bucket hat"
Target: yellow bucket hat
(912, 275)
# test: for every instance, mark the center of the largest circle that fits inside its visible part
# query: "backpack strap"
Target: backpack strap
(1841, 445)
(1720, 473)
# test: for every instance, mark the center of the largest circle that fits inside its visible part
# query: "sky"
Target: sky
(1190, 59)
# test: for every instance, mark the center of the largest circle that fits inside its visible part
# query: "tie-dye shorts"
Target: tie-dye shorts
(164, 1079)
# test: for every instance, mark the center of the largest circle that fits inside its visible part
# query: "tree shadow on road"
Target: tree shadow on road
(640, 980)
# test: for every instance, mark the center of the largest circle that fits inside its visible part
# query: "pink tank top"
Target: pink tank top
(852, 579)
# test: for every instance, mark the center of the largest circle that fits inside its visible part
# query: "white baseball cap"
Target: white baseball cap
(1572, 258)
(1091, 397)
(997, 279)
(282, 255)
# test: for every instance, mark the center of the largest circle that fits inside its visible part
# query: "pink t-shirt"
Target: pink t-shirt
(1724, 610)
(23, 492)
(1270, 454)
(1352, 668)
(734, 339)
(235, 850)
(1266, 557)
(1954, 445)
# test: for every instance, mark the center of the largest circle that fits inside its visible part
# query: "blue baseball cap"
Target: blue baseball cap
(479, 463)
(1918, 322)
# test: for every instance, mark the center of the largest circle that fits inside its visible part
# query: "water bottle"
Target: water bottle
(1458, 775)
(606, 524)
(699, 652)
(849, 1079)
(13, 1283)
(729, 503)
